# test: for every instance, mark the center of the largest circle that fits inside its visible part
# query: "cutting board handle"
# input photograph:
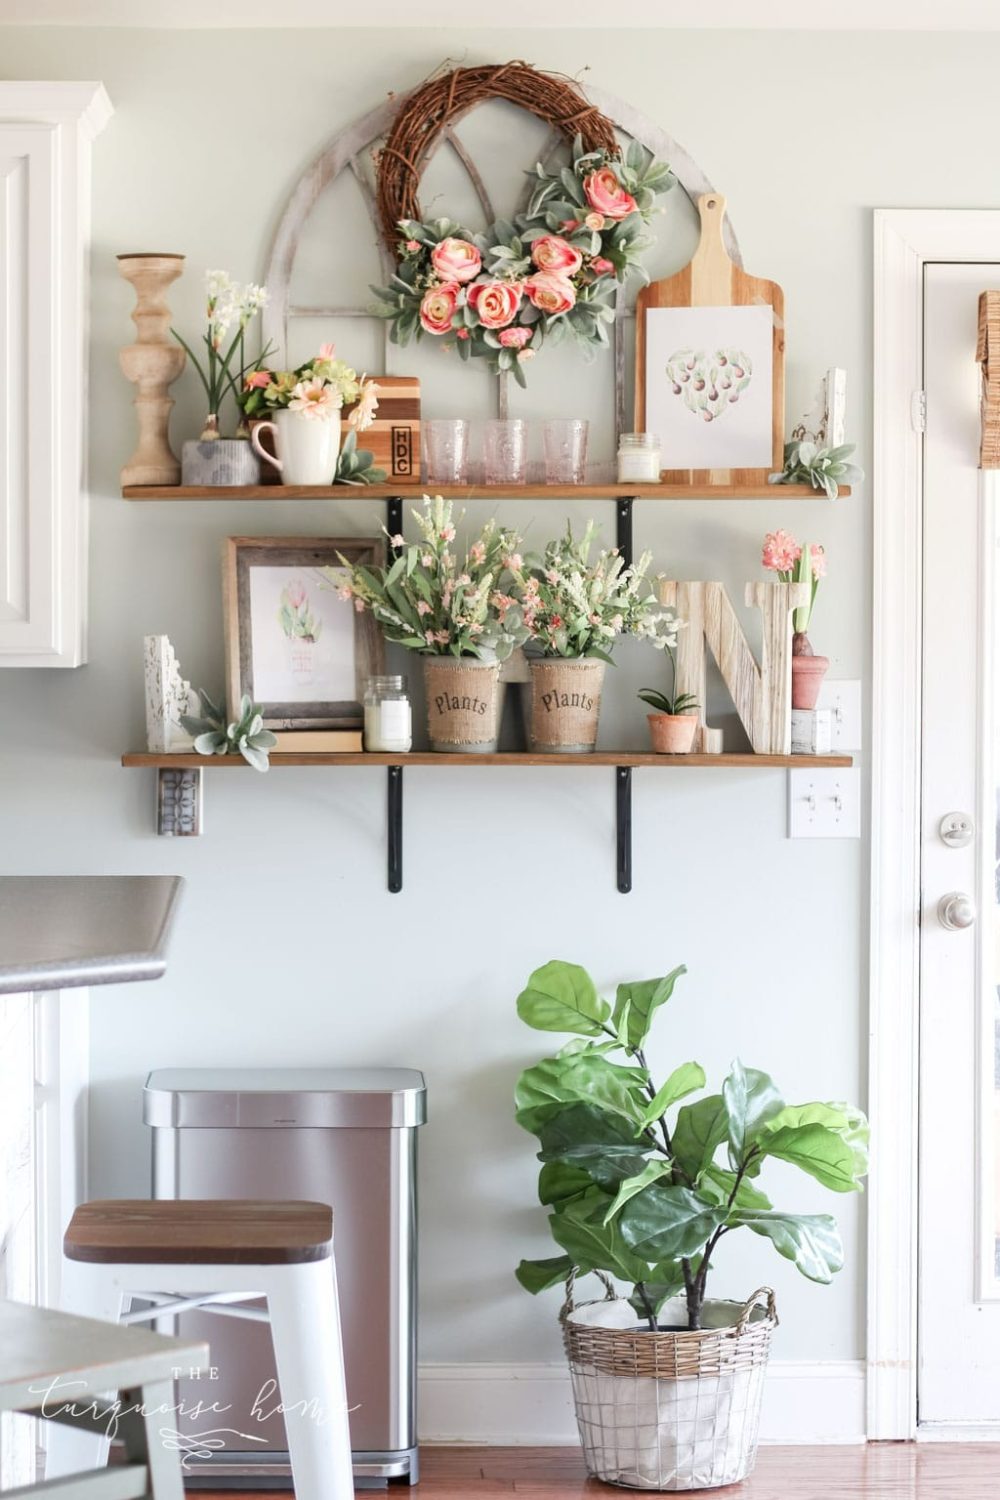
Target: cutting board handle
(711, 257)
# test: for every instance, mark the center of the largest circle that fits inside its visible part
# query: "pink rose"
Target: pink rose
(550, 293)
(568, 225)
(601, 266)
(515, 338)
(456, 260)
(461, 333)
(606, 195)
(412, 246)
(552, 253)
(438, 308)
(595, 222)
(496, 302)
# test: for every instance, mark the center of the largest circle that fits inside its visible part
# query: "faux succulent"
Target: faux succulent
(632, 1183)
(357, 465)
(245, 736)
(823, 468)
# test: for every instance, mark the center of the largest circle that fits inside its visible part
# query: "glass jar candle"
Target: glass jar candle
(638, 458)
(388, 720)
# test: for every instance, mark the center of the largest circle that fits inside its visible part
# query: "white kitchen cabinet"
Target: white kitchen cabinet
(46, 132)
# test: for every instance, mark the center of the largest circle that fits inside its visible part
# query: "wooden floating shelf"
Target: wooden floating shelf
(187, 762)
(479, 492)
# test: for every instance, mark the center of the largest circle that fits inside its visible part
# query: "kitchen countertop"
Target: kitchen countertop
(60, 931)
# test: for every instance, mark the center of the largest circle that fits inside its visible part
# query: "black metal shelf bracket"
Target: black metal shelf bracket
(394, 520)
(394, 828)
(623, 827)
(623, 529)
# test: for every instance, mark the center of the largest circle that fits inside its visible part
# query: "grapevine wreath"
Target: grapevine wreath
(549, 272)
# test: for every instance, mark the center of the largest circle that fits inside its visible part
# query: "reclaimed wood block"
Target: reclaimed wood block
(812, 731)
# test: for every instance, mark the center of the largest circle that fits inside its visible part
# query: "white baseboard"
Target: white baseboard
(532, 1405)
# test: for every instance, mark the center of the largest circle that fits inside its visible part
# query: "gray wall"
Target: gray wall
(289, 949)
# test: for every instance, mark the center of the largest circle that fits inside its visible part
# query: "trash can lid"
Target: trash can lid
(285, 1098)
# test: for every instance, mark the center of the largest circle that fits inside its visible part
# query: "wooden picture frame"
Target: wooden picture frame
(274, 594)
(713, 283)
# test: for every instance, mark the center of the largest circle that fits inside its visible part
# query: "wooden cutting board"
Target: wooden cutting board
(394, 436)
(711, 279)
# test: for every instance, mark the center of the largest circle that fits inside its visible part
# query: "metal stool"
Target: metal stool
(181, 1254)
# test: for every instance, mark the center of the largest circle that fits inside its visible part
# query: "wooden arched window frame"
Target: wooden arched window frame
(346, 152)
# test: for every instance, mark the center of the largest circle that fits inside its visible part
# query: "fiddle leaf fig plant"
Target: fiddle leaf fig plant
(643, 1186)
(245, 736)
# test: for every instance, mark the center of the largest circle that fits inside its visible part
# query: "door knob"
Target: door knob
(956, 911)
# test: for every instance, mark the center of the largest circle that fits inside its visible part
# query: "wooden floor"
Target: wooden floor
(880, 1471)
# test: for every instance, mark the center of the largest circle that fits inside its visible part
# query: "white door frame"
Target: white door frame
(905, 240)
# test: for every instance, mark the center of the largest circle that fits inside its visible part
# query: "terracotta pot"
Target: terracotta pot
(462, 704)
(565, 704)
(808, 672)
(672, 734)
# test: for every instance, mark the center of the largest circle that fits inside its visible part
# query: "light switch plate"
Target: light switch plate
(824, 804)
(843, 699)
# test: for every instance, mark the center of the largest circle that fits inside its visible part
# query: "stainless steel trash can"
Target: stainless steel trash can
(343, 1136)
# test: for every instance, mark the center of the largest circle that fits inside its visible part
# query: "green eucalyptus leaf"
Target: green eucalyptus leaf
(562, 997)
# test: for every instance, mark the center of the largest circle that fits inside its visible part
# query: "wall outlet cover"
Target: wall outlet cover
(843, 698)
(824, 804)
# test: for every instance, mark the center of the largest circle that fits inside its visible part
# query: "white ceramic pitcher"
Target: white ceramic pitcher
(307, 447)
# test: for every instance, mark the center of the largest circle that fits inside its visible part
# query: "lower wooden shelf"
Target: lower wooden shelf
(628, 759)
(179, 784)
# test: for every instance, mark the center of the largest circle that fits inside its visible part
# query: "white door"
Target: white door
(959, 1127)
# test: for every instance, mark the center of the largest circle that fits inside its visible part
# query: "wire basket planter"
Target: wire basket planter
(668, 1411)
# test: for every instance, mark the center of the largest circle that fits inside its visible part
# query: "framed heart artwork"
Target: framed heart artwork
(710, 369)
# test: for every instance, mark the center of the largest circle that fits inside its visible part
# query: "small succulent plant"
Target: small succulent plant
(823, 468)
(246, 736)
(357, 465)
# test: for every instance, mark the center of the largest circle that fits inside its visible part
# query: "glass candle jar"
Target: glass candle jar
(388, 720)
(638, 458)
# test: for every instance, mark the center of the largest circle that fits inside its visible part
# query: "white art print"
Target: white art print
(301, 635)
(709, 386)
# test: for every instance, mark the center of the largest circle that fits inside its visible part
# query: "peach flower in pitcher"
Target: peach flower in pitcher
(438, 308)
(550, 293)
(456, 260)
(553, 253)
(606, 195)
(496, 302)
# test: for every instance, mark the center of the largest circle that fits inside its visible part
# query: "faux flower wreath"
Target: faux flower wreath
(552, 272)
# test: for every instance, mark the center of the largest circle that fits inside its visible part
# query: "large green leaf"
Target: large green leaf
(651, 1172)
(581, 1077)
(559, 1184)
(818, 1150)
(603, 1144)
(700, 1130)
(643, 997)
(537, 1275)
(669, 1222)
(751, 1099)
(593, 1245)
(682, 1081)
(849, 1123)
(812, 1241)
(561, 997)
(717, 1183)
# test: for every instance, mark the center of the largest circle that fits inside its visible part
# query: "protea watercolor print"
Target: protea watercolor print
(302, 630)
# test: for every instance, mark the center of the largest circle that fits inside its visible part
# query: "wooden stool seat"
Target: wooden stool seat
(185, 1231)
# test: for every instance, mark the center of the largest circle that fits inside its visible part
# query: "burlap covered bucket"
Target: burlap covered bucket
(462, 704)
(565, 704)
(669, 1411)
